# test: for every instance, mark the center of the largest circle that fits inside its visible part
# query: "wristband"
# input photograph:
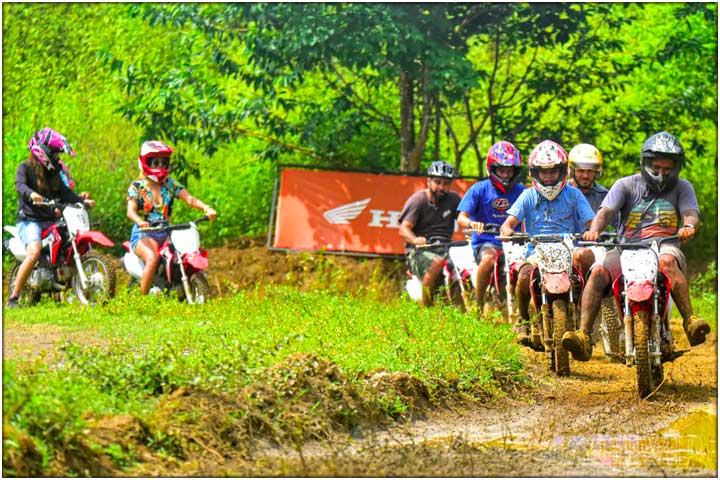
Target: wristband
(689, 225)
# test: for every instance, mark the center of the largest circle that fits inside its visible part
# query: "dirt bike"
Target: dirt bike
(642, 294)
(182, 262)
(67, 260)
(555, 286)
(458, 278)
(501, 289)
(608, 324)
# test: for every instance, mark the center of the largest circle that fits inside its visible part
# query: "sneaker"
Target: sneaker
(696, 329)
(13, 303)
(578, 343)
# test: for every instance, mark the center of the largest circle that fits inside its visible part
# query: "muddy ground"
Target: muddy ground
(590, 424)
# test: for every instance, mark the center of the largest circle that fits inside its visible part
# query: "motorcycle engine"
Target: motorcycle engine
(64, 273)
(41, 278)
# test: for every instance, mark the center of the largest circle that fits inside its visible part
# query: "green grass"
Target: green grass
(148, 346)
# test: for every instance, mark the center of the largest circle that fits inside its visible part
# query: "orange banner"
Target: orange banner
(345, 211)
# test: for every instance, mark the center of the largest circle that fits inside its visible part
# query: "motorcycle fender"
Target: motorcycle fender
(639, 291)
(557, 282)
(197, 260)
(17, 248)
(92, 236)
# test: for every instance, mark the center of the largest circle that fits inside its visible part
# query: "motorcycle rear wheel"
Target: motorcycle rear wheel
(27, 295)
(610, 329)
(648, 376)
(561, 322)
(100, 271)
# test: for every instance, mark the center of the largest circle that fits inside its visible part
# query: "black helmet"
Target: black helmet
(441, 169)
(661, 145)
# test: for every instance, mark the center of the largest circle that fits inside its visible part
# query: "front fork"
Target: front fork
(185, 282)
(78, 265)
(654, 337)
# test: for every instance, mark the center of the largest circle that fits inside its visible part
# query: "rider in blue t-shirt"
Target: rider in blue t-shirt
(487, 202)
(552, 207)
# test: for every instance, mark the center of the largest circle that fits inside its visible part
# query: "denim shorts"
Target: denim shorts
(136, 235)
(30, 231)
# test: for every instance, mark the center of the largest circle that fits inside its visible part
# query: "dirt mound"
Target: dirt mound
(249, 263)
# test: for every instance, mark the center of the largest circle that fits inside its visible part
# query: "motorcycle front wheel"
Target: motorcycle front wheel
(27, 296)
(199, 287)
(562, 322)
(100, 272)
(648, 376)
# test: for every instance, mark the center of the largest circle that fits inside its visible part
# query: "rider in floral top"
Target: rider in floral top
(150, 199)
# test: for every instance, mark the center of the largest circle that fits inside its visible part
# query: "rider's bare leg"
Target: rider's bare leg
(484, 271)
(592, 297)
(431, 282)
(147, 249)
(583, 258)
(32, 254)
(680, 290)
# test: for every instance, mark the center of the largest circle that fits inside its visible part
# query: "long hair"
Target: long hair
(48, 183)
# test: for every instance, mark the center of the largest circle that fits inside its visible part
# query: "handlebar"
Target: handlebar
(622, 243)
(457, 243)
(542, 238)
(58, 204)
(163, 225)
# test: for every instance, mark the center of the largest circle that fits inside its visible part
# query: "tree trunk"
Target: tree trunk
(407, 120)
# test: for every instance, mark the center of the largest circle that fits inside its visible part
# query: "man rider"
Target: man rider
(586, 167)
(487, 202)
(652, 203)
(551, 207)
(429, 216)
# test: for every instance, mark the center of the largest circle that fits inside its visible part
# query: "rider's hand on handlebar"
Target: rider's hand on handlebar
(419, 241)
(686, 234)
(36, 197)
(506, 231)
(477, 226)
(591, 236)
(211, 213)
(143, 224)
(89, 202)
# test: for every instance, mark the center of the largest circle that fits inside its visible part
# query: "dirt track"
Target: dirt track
(590, 424)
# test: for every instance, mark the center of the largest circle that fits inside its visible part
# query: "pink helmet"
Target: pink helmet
(548, 155)
(503, 154)
(154, 160)
(46, 144)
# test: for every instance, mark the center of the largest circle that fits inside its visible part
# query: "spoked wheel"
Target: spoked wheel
(648, 376)
(561, 320)
(27, 296)
(100, 273)
(199, 287)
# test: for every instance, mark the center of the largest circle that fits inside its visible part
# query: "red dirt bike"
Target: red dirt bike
(642, 294)
(458, 278)
(182, 262)
(555, 287)
(501, 288)
(67, 263)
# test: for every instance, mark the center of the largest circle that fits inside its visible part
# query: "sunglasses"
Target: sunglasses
(158, 162)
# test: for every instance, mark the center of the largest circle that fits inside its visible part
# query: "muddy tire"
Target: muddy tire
(560, 322)
(27, 295)
(100, 270)
(646, 375)
(546, 319)
(612, 328)
(456, 297)
(199, 287)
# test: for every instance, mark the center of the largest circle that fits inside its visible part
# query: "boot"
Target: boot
(578, 343)
(696, 329)
(522, 332)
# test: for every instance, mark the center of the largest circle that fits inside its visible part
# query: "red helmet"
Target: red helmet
(546, 156)
(154, 160)
(503, 154)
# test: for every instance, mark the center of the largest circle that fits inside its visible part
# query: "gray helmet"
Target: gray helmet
(441, 169)
(661, 145)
